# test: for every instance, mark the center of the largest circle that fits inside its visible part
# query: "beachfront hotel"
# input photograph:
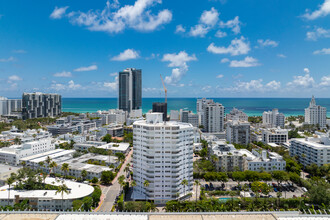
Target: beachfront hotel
(162, 156)
(316, 114)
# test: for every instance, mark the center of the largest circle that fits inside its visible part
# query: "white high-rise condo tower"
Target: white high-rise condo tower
(163, 158)
(316, 114)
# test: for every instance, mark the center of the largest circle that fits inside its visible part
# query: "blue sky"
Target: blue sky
(216, 48)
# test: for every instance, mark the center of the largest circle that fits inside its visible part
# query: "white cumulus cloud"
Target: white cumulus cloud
(324, 51)
(234, 25)
(220, 76)
(86, 68)
(237, 47)
(322, 11)
(14, 78)
(267, 43)
(114, 19)
(5, 60)
(246, 62)
(210, 17)
(319, 32)
(58, 12)
(220, 34)
(325, 81)
(199, 30)
(112, 85)
(302, 81)
(63, 74)
(180, 29)
(179, 61)
(128, 54)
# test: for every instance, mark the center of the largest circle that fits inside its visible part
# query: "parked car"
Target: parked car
(304, 189)
(275, 189)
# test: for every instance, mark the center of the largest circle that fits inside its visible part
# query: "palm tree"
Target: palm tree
(232, 194)
(65, 168)
(17, 141)
(133, 184)
(279, 194)
(184, 183)
(9, 181)
(196, 184)
(52, 165)
(84, 174)
(146, 185)
(303, 156)
(62, 189)
(48, 162)
(121, 180)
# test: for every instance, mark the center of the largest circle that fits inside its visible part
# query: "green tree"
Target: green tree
(146, 185)
(185, 183)
(107, 138)
(9, 182)
(88, 203)
(319, 192)
(52, 165)
(65, 168)
(133, 184)
(84, 174)
(280, 176)
(197, 183)
(107, 177)
(62, 189)
(238, 176)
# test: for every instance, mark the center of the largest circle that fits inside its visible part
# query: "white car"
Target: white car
(304, 189)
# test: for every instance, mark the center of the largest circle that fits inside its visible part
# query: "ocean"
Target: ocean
(251, 106)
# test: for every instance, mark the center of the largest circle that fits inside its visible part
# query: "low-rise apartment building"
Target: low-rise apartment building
(11, 155)
(311, 150)
(274, 135)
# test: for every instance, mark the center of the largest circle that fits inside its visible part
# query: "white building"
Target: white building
(189, 117)
(47, 199)
(5, 172)
(76, 165)
(114, 147)
(11, 155)
(311, 150)
(262, 162)
(163, 156)
(238, 132)
(24, 136)
(10, 106)
(274, 135)
(236, 114)
(200, 109)
(315, 114)
(174, 115)
(228, 158)
(273, 119)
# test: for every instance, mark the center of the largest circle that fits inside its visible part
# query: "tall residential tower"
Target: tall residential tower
(40, 105)
(315, 114)
(130, 89)
(162, 157)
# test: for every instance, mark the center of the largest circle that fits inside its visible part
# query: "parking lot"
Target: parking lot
(288, 189)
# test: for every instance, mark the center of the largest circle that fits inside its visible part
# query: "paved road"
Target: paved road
(110, 192)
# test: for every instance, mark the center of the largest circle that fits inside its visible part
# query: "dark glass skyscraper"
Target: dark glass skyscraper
(160, 107)
(130, 89)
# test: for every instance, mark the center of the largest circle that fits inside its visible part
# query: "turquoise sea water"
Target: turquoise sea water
(251, 106)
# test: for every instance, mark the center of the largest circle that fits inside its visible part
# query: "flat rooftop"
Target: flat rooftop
(78, 190)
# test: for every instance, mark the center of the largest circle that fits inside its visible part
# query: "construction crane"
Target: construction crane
(164, 88)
